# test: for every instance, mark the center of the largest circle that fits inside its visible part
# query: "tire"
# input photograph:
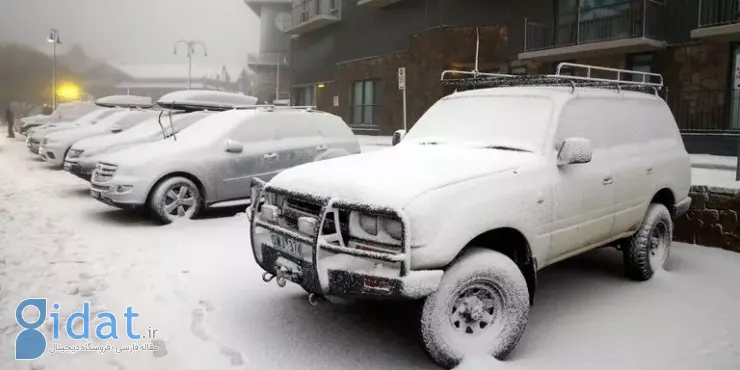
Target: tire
(648, 249)
(454, 322)
(169, 202)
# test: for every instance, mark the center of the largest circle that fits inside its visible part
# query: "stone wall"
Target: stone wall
(712, 219)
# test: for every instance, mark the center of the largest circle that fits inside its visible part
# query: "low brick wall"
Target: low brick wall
(712, 219)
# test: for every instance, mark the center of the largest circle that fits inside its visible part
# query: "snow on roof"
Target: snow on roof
(125, 101)
(207, 99)
(551, 92)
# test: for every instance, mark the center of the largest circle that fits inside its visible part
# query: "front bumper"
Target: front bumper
(78, 168)
(331, 268)
(108, 193)
(53, 154)
(681, 207)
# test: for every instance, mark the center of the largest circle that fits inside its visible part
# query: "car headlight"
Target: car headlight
(375, 227)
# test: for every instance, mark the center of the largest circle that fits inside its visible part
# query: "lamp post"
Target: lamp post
(190, 50)
(54, 40)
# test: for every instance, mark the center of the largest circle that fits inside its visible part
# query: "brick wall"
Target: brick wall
(712, 219)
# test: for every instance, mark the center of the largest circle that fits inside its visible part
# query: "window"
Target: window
(364, 99)
(641, 63)
(305, 96)
(583, 119)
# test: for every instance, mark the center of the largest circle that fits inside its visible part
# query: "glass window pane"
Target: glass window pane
(356, 115)
(369, 95)
(368, 118)
(357, 94)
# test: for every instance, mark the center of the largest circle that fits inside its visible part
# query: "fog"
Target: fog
(136, 31)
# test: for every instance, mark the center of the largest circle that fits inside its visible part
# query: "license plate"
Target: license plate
(289, 246)
(67, 166)
(95, 194)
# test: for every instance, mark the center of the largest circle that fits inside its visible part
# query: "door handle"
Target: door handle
(321, 147)
(271, 156)
(608, 180)
(649, 170)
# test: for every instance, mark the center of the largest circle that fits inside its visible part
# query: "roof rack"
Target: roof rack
(271, 107)
(647, 84)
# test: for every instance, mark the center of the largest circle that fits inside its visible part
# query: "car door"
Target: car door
(299, 140)
(237, 169)
(583, 194)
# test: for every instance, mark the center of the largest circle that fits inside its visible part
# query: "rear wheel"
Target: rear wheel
(647, 251)
(175, 198)
(481, 307)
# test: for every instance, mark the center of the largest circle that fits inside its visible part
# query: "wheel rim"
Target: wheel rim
(179, 201)
(474, 308)
(658, 243)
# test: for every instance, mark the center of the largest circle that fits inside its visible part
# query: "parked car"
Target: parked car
(105, 107)
(193, 104)
(487, 188)
(56, 145)
(65, 112)
(214, 160)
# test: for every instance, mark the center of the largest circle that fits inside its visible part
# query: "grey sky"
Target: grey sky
(136, 31)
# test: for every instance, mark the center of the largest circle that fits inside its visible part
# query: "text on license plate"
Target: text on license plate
(286, 245)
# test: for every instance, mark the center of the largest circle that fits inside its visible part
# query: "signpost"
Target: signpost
(402, 87)
(734, 115)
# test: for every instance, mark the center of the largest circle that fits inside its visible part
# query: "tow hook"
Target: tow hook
(313, 299)
(281, 281)
(267, 277)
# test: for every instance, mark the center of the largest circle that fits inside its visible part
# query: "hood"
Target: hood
(77, 133)
(392, 177)
(154, 151)
(103, 143)
(42, 131)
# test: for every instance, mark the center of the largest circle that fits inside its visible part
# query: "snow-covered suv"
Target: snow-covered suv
(487, 188)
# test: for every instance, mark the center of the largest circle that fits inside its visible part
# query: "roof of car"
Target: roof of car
(129, 101)
(559, 92)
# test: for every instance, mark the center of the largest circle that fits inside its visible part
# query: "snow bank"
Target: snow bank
(714, 177)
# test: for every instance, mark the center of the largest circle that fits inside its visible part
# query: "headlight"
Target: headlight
(376, 227)
(45, 141)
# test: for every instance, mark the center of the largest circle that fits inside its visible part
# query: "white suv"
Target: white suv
(489, 187)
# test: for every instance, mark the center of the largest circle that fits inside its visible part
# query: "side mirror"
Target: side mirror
(115, 129)
(574, 151)
(234, 146)
(397, 137)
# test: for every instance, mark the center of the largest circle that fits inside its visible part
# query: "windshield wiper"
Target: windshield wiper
(429, 143)
(504, 147)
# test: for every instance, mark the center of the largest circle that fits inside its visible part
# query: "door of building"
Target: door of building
(734, 123)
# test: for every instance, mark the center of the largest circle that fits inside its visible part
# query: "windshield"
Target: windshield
(214, 126)
(179, 121)
(518, 122)
(74, 111)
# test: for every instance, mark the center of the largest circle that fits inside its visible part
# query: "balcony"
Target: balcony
(719, 20)
(376, 3)
(309, 15)
(267, 59)
(625, 27)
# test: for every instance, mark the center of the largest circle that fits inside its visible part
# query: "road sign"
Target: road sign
(402, 78)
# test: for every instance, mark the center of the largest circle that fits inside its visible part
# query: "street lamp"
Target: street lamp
(190, 45)
(54, 40)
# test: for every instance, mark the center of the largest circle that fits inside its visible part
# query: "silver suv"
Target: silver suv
(215, 159)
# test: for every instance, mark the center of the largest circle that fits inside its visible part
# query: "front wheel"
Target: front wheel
(647, 251)
(175, 198)
(481, 306)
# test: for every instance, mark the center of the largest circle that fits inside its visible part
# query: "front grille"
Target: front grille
(74, 153)
(104, 172)
(100, 187)
(294, 208)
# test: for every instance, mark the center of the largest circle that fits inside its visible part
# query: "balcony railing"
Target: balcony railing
(630, 19)
(705, 110)
(714, 13)
(267, 59)
(311, 14)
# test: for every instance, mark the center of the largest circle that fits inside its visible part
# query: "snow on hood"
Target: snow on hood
(394, 176)
(77, 133)
(103, 142)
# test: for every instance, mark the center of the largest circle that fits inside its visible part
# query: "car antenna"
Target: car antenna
(174, 135)
(159, 120)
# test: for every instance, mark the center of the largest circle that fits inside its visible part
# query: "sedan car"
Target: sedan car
(36, 135)
(65, 112)
(85, 154)
(215, 159)
(55, 146)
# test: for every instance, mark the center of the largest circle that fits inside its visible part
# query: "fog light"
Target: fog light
(308, 225)
(124, 188)
(270, 212)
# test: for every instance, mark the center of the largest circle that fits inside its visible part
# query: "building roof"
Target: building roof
(169, 71)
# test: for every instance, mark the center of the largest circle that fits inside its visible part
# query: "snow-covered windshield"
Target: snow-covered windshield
(518, 122)
(180, 121)
(214, 126)
(74, 111)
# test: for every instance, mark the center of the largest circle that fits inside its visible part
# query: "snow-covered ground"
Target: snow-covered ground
(196, 283)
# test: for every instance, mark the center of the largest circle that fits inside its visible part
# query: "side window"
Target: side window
(132, 119)
(253, 130)
(582, 118)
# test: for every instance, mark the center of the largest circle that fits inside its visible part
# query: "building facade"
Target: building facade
(271, 63)
(345, 53)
